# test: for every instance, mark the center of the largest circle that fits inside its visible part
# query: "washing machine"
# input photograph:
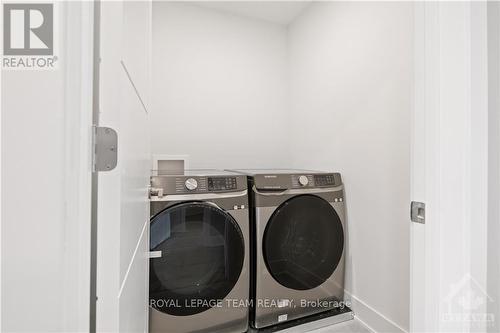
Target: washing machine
(199, 259)
(298, 225)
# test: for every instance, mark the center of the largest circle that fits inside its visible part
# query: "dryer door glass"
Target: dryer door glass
(303, 242)
(200, 257)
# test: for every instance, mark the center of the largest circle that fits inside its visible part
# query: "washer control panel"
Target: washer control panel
(191, 184)
(222, 183)
(198, 184)
(324, 180)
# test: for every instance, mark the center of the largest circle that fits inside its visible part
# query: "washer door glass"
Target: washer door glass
(202, 252)
(303, 242)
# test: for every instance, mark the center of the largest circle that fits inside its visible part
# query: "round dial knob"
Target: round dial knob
(303, 180)
(191, 184)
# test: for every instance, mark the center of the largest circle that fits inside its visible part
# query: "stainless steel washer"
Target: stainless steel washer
(298, 232)
(199, 240)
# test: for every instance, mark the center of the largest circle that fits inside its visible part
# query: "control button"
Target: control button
(303, 180)
(340, 199)
(191, 184)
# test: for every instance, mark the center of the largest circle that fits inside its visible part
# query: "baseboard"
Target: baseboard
(321, 323)
(371, 318)
(309, 323)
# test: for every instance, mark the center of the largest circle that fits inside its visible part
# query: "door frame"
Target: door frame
(95, 174)
(77, 64)
(449, 161)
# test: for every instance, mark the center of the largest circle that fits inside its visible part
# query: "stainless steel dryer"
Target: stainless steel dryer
(199, 241)
(299, 224)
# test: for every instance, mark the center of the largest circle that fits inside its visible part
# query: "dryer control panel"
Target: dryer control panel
(316, 180)
(279, 182)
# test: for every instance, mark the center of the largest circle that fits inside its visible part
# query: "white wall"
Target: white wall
(219, 88)
(331, 91)
(493, 277)
(32, 255)
(351, 96)
(46, 169)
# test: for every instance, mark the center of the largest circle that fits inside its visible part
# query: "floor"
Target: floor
(350, 326)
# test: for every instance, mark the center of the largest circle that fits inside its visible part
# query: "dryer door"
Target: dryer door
(303, 242)
(202, 252)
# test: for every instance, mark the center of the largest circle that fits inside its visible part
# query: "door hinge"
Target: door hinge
(105, 155)
(417, 212)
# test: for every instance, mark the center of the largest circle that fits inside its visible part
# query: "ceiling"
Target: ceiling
(280, 12)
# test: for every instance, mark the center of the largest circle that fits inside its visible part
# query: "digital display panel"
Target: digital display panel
(221, 183)
(324, 180)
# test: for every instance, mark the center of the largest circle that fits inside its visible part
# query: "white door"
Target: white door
(424, 278)
(450, 168)
(123, 206)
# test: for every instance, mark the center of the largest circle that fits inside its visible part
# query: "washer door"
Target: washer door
(202, 252)
(303, 242)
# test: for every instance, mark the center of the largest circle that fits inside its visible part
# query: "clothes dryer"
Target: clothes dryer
(298, 237)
